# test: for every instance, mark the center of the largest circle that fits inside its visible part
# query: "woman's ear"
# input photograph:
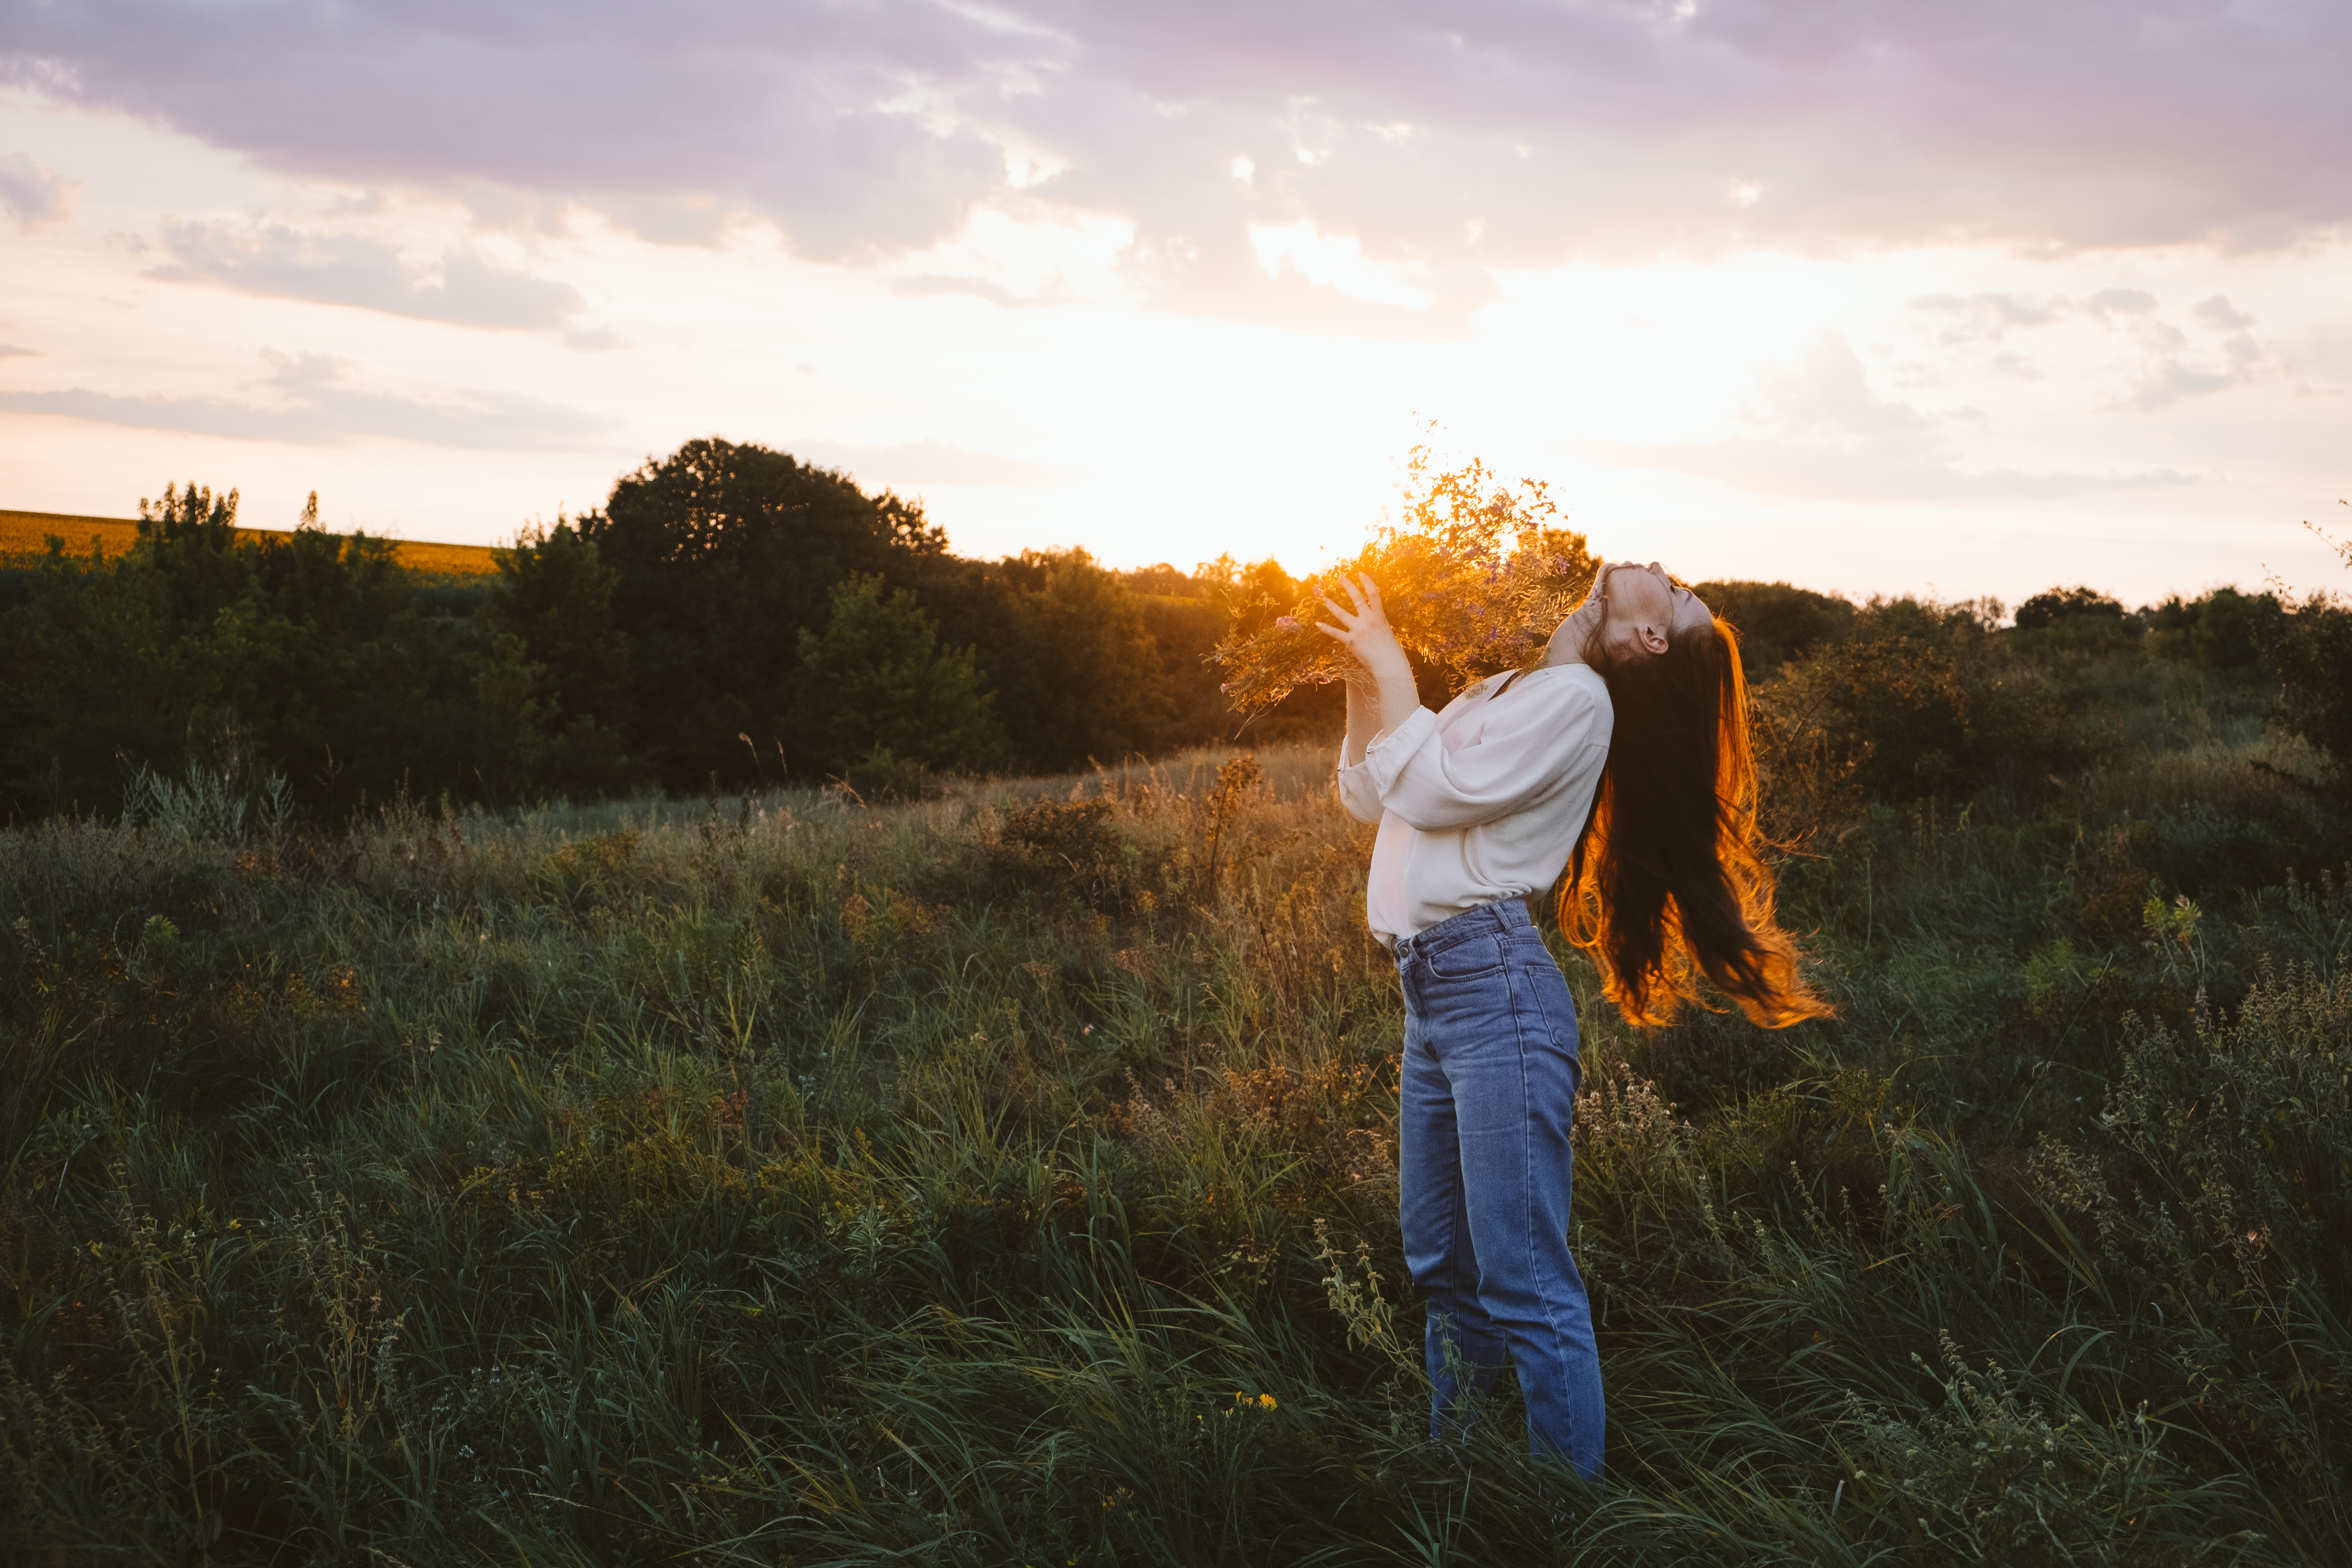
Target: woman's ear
(1653, 640)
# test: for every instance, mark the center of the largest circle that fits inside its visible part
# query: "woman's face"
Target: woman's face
(1645, 609)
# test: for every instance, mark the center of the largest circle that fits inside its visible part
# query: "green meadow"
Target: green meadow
(1005, 1176)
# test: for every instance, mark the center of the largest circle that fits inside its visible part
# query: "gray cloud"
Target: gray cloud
(923, 285)
(2120, 304)
(2171, 369)
(1835, 437)
(597, 340)
(2220, 314)
(317, 405)
(12, 351)
(348, 269)
(2169, 376)
(34, 193)
(1784, 468)
(1466, 133)
(1986, 319)
(1825, 392)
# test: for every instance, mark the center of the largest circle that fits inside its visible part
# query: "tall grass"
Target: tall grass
(1008, 1177)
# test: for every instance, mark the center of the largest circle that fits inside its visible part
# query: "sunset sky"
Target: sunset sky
(1871, 294)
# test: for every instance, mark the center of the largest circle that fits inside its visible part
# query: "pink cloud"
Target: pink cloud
(1496, 132)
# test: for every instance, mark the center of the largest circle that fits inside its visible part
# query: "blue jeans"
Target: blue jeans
(1488, 1093)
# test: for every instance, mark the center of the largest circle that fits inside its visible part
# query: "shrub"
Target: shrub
(2056, 604)
(2311, 656)
(2216, 1190)
(2222, 630)
(1776, 622)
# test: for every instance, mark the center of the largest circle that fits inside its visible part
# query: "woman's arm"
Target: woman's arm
(1363, 715)
(1380, 690)
(1534, 741)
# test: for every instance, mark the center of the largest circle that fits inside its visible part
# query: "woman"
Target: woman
(1620, 754)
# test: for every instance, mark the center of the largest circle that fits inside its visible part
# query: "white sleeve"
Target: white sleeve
(1523, 754)
(1362, 786)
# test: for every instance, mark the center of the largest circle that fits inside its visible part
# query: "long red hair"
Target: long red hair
(1668, 881)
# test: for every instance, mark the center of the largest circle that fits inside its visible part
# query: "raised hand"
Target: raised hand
(1364, 626)
(1380, 694)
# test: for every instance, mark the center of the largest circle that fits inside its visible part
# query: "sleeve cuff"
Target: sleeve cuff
(1385, 758)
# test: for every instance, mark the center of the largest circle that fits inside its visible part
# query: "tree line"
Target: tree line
(734, 618)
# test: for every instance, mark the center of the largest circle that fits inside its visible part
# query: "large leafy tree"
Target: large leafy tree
(555, 685)
(722, 555)
(877, 679)
(1076, 672)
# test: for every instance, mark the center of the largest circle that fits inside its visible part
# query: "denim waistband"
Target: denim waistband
(1503, 916)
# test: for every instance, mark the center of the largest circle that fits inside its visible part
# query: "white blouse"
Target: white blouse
(1482, 801)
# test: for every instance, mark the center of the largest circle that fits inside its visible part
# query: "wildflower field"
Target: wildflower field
(1007, 1178)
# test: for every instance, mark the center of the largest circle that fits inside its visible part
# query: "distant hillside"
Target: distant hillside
(24, 535)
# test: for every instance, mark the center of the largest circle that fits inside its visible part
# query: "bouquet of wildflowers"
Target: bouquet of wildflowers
(1475, 579)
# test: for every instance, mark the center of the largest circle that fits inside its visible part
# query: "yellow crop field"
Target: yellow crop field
(24, 534)
(448, 560)
(23, 538)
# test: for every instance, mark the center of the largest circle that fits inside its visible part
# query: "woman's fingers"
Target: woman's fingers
(1362, 616)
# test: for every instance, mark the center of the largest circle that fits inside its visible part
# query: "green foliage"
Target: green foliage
(2056, 604)
(2224, 630)
(1007, 1174)
(1075, 668)
(306, 652)
(557, 688)
(1184, 627)
(876, 678)
(882, 775)
(2312, 655)
(2310, 652)
(1889, 713)
(212, 801)
(722, 555)
(1776, 622)
(676, 620)
(657, 640)
(1009, 1177)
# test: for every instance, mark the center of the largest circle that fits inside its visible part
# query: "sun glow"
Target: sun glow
(1982, 421)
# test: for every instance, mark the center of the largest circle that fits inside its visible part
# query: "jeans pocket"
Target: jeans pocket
(1465, 961)
(1554, 1001)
